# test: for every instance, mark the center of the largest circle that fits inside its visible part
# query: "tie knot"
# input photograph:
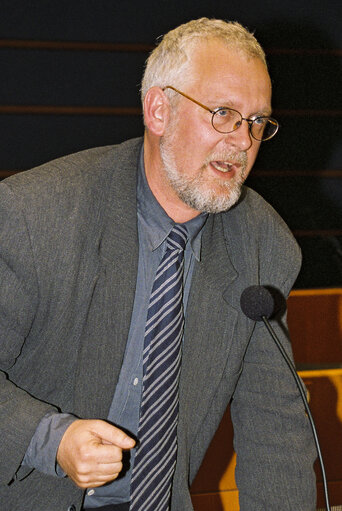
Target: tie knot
(177, 238)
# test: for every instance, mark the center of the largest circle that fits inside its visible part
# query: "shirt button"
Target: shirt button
(90, 493)
(136, 381)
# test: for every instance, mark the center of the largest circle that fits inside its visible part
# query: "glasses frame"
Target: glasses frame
(250, 122)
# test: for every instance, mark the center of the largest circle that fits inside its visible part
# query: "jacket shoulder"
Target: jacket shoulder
(257, 234)
(74, 186)
(75, 173)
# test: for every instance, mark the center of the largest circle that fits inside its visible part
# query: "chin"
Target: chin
(209, 201)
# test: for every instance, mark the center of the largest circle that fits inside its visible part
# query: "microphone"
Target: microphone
(258, 304)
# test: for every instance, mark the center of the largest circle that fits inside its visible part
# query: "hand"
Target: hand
(90, 452)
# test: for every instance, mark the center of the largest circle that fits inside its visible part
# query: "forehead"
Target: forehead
(221, 74)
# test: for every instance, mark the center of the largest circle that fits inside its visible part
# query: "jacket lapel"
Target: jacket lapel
(211, 322)
(106, 331)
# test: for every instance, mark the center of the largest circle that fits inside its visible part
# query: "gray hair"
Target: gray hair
(169, 63)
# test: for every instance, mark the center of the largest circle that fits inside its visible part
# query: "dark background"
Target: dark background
(70, 75)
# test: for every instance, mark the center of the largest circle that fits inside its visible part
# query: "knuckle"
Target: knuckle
(117, 454)
(118, 468)
(81, 481)
(82, 470)
(84, 453)
(82, 485)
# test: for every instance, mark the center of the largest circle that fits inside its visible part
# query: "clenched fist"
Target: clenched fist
(90, 452)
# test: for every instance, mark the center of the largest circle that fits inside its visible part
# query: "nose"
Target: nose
(241, 138)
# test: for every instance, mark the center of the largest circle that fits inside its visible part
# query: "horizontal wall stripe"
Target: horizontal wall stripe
(68, 110)
(141, 47)
(110, 110)
(298, 173)
(75, 45)
(308, 52)
(315, 233)
(307, 112)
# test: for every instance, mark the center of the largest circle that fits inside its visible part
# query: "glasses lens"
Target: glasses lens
(226, 120)
(264, 128)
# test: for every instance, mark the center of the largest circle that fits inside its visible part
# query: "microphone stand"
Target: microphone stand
(303, 395)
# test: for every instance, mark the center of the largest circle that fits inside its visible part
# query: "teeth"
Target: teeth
(224, 167)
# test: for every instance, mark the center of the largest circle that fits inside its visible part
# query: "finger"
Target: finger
(100, 476)
(104, 453)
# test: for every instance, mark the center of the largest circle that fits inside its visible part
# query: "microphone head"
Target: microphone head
(256, 302)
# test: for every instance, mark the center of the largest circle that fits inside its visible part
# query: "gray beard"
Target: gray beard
(194, 191)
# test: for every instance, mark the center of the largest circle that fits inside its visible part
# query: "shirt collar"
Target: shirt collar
(156, 223)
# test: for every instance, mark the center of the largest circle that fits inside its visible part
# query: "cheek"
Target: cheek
(195, 137)
(193, 142)
(193, 146)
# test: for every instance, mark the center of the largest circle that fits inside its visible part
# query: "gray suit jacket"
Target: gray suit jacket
(68, 265)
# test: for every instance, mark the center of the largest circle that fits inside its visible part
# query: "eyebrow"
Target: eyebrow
(267, 112)
(263, 113)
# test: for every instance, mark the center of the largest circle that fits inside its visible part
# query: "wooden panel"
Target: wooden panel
(219, 501)
(214, 488)
(315, 324)
(217, 470)
(325, 391)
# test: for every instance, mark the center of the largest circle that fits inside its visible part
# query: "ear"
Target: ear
(156, 110)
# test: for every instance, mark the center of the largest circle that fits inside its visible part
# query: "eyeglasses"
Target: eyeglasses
(227, 120)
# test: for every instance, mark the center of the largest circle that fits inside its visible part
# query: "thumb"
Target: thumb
(113, 435)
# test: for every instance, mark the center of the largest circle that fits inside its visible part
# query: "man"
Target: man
(81, 241)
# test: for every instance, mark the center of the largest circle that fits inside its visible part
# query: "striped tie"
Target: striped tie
(156, 454)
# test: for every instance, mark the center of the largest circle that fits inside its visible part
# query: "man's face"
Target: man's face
(204, 168)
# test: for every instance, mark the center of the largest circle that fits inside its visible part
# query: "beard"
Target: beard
(198, 191)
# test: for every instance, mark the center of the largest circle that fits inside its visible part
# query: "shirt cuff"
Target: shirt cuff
(42, 450)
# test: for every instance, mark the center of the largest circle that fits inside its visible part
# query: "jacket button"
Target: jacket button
(71, 508)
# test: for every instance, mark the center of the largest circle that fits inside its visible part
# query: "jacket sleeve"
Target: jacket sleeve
(272, 435)
(20, 413)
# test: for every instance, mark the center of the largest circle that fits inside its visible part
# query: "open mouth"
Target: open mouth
(222, 166)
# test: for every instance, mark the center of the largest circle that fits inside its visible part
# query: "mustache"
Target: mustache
(237, 157)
